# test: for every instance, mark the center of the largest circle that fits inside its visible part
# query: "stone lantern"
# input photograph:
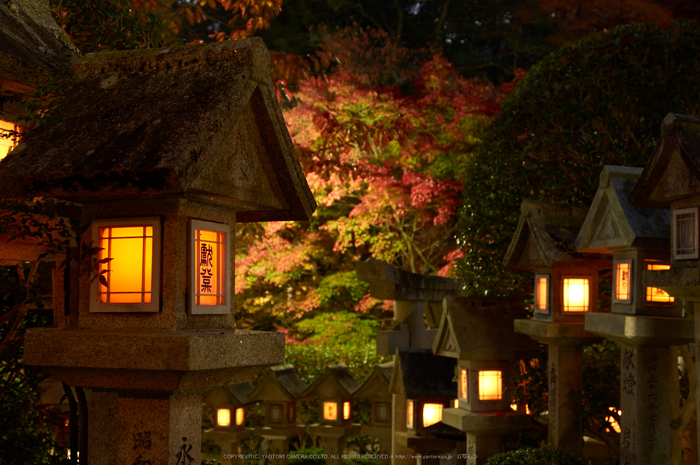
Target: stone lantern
(279, 390)
(334, 389)
(376, 389)
(566, 289)
(670, 180)
(229, 415)
(644, 319)
(422, 387)
(479, 334)
(165, 150)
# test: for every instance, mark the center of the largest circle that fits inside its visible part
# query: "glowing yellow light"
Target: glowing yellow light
(613, 422)
(7, 141)
(455, 403)
(541, 293)
(129, 270)
(240, 416)
(409, 414)
(576, 294)
(463, 390)
(432, 413)
(330, 411)
(654, 294)
(514, 407)
(490, 385)
(223, 417)
(623, 272)
(210, 249)
(346, 410)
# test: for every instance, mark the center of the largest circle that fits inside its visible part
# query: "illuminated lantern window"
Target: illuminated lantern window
(275, 413)
(685, 233)
(542, 293)
(223, 417)
(490, 385)
(576, 294)
(654, 294)
(346, 410)
(623, 281)
(382, 411)
(129, 268)
(7, 139)
(432, 413)
(409, 414)
(455, 403)
(613, 422)
(463, 384)
(209, 283)
(240, 416)
(330, 411)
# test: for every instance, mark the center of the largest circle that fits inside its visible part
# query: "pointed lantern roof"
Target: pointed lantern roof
(196, 122)
(545, 235)
(335, 381)
(280, 384)
(376, 386)
(613, 223)
(235, 394)
(418, 373)
(673, 171)
(482, 329)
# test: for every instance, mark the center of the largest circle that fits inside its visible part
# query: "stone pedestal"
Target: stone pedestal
(644, 380)
(383, 435)
(278, 438)
(334, 438)
(230, 443)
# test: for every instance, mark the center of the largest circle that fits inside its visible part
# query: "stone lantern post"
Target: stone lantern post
(479, 334)
(644, 319)
(165, 150)
(376, 389)
(566, 288)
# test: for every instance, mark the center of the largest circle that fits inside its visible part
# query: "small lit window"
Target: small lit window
(240, 416)
(346, 410)
(542, 293)
(654, 294)
(409, 414)
(623, 281)
(576, 294)
(129, 265)
(8, 138)
(490, 385)
(330, 411)
(223, 417)
(685, 233)
(209, 280)
(463, 380)
(432, 413)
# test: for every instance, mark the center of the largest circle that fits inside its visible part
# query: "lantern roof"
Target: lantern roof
(419, 373)
(198, 122)
(613, 223)
(673, 171)
(386, 282)
(482, 329)
(280, 383)
(30, 43)
(545, 235)
(376, 386)
(235, 395)
(335, 381)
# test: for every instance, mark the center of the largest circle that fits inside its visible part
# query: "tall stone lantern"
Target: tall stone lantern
(376, 390)
(566, 289)
(165, 150)
(644, 319)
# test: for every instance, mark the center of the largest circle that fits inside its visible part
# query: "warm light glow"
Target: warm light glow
(654, 294)
(210, 249)
(432, 413)
(330, 411)
(409, 414)
(613, 422)
(240, 416)
(223, 417)
(623, 286)
(346, 410)
(576, 294)
(455, 403)
(129, 272)
(463, 380)
(490, 385)
(7, 142)
(514, 407)
(541, 293)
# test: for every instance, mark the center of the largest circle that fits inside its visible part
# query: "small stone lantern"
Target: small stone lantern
(334, 389)
(566, 289)
(376, 389)
(479, 334)
(229, 411)
(279, 390)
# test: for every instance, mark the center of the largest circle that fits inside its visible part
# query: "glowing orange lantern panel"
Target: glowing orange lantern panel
(330, 411)
(240, 416)
(211, 272)
(654, 294)
(7, 139)
(127, 252)
(490, 385)
(541, 293)
(223, 417)
(409, 414)
(346, 410)
(432, 413)
(576, 294)
(463, 377)
(623, 286)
